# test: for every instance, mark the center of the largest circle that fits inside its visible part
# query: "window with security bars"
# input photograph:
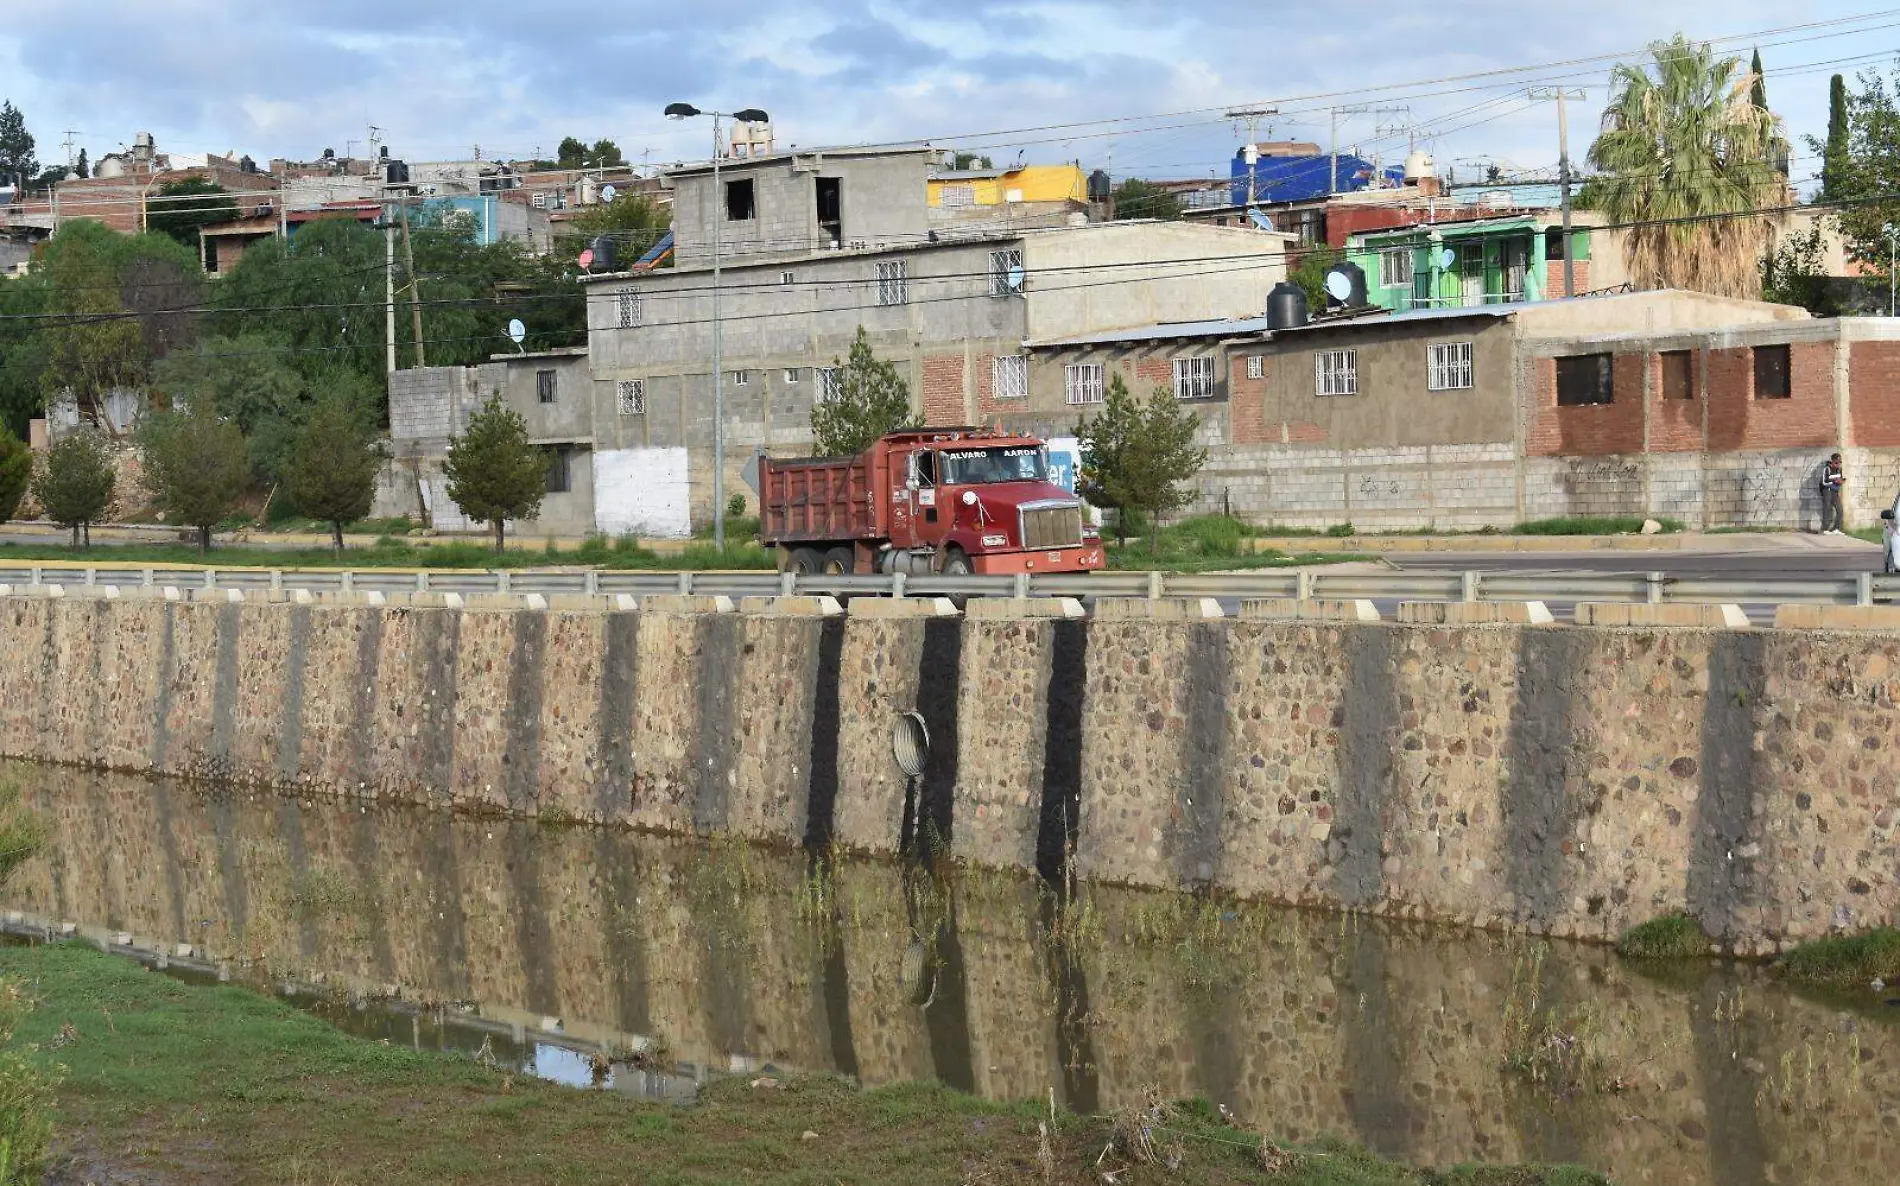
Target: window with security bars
(1336, 372)
(631, 396)
(1395, 268)
(893, 283)
(1256, 366)
(1193, 378)
(1083, 382)
(830, 383)
(544, 386)
(1005, 272)
(1009, 377)
(1448, 366)
(628, 302)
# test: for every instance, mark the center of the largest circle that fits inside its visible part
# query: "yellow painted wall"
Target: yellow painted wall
(1038, 183)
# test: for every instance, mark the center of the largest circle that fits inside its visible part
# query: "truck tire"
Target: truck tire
(840, 561)
(805, 562)
(956, 564)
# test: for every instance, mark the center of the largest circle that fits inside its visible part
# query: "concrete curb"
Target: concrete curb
(1475, 613)
(1287, 609)
(999, 609)
(1837, 617)
(678, 603)
(1677, 614)
(1157, 609)
(791, 607)
(901, 607)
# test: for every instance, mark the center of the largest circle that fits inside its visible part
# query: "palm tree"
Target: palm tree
(1685, 154)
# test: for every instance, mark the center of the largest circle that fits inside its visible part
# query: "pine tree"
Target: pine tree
(1758, 85)
(74, 484)
(870, 399)
(1138, 457)
(1834, 154)
(494, 473)
(197, 466)
(333, 465)
(83, 168)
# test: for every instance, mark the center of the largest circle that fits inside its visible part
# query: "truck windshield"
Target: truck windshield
(1015, 463)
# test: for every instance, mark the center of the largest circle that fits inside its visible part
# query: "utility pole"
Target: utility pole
(1539, 95)
(70, 161)
(415, 282)
(389, 285)
(1332, 185)
(1252, 116)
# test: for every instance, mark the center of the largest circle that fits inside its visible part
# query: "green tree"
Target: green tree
(1757, 83)
(181, 209)
(23, 348)
(1684, 156)
(1310, 272)
(1136, 198)
(16, 145)
(1138, 457)
(1865, 174)
(869, 400)
(494, 473)
(196, 465)
(333, 465)
(972, 160)
(635, 221)
(249, 380)
(74, 483)
(1834, 148)
(1793, 274)
(16, 471)
(572, 154)
(83, 168)
(605, 154)
(321, 294)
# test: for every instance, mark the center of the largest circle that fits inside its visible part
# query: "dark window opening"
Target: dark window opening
(211, 256)
(1771, 373)
(831, 208)
(739, 207)
(558, 477)
(1678, 374)
(1554, 243)
(544, 386)
(1584, 379)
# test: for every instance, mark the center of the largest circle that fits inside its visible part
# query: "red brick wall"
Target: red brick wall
(1873, 387)
(1737, 420)
(1247, 400)
(1592, 430)
(986, 387)
(1151, 373)
(943, 390)
(1675, 425)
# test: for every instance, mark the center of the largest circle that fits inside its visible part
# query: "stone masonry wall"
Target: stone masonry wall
(1564, 781)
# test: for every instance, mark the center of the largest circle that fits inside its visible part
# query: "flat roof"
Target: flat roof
(1215, 328)
(1414, 316)
(772, 158)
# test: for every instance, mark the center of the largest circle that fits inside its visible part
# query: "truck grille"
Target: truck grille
(1052, 527)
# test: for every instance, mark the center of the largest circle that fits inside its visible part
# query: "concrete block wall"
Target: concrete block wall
(1570, 782)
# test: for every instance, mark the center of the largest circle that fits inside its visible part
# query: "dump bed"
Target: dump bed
(810, 499)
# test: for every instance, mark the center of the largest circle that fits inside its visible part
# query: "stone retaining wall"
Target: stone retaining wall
(1570, 782)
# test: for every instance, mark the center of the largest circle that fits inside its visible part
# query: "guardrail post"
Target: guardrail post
(590, 582)
(686, 584)
(504, 582)
(211, 578)
(1155, 588)
(38, 574)
(1021, 591)
(422, 582)
(1864, 588)
(1302, 585)
(145, 578)
(1653, 588)
(787, 583)
(276, 578)
(897, 583)
(1468, 586)
(92, 578)
(348, 581)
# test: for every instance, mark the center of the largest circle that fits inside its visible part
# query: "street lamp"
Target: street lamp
(748, 115)
(1893, 271)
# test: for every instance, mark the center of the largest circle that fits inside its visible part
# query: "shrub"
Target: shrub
(1847, 961)
(1673, 936)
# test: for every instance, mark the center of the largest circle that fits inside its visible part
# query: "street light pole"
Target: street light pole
(1893, 267)
(749, 115)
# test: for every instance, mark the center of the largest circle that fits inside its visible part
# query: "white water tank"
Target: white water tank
(1418, 167)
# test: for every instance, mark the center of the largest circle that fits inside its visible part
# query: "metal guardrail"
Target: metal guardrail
(1654, 588)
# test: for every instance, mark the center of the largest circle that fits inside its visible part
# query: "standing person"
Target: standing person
(1832, 479)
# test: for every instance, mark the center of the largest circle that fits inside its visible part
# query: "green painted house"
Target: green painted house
(1462, 264)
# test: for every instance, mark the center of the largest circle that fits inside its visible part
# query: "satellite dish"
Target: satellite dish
(1339, 286)
(1014, 277)
(1447, 257)
(517, 332)
(587, 260)
(608, 193)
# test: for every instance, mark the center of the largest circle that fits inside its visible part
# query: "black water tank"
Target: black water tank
(1099, 186)
(603, 249)
(1355, 285)
(1286, 306)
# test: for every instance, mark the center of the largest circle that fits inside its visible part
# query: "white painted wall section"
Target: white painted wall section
(642, 492)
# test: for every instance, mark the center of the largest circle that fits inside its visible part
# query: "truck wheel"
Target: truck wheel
(805, 562)
(840, 562)
(956, 564)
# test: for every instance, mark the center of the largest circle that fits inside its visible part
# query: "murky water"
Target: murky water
(542, 946)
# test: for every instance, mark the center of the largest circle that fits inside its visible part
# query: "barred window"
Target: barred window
(628, 301)
(1193, 378)
(1006, 272)
(1083, 382)
(791, 374)
(544, 386)
(741, 378)
(1395, 268)
(830, 383)
(892, 283)
(631, 395)
(1009, 377)
(1336, 372)
(1448, 366)
(1256, 366)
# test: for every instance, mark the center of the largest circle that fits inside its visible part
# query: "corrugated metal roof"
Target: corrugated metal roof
(1411, 316)
(1225, 327)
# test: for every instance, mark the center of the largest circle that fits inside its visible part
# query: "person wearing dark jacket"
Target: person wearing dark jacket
(1832, 479)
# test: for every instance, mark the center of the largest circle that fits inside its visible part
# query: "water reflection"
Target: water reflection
(1433, 1046)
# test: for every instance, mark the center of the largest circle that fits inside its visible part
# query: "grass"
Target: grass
(389, 552)
(1671, 937)
(1848, 961)
(1207, 543)
(170, 1081)
(1592, 525)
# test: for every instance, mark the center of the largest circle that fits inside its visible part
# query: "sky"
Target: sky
(1138, 87)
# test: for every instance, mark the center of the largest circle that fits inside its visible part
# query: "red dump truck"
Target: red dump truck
(934, 500)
